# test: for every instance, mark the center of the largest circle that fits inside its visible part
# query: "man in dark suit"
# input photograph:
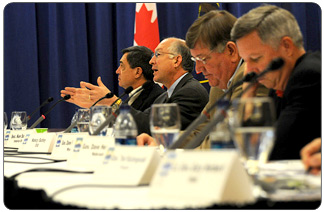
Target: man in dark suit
(172, 65)
(268, 32)
(134, 70)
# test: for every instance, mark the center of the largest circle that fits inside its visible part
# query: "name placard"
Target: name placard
(38, 143)
(15, 138)
(128, 165)
(64, 145)
(89, 151)
(214, 176)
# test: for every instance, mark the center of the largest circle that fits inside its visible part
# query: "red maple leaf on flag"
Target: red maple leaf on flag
(147, 33)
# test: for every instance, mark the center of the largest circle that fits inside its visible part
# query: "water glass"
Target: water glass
(165, 124)
(98, 115)
(253, 123)
(18, 120)
(83, 119)
(5, 121)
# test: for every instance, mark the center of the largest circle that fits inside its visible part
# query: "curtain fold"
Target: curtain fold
(48, 46)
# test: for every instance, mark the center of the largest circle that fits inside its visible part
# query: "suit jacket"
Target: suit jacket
(299, 110)
(190, 96)
(214, 95)
(147, 96)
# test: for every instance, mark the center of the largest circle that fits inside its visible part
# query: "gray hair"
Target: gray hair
(272, 23)
(179, 47)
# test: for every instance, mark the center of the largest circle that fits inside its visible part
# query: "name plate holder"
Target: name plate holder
(206, 176)
(38, 143)
(15, 138)
(128, 165)
(89, 151)
(64, 145)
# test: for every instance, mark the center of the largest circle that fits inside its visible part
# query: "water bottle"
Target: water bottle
(74, 118)
(220, 137)
(125, 127)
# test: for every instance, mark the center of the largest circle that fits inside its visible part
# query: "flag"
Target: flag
(146, 30)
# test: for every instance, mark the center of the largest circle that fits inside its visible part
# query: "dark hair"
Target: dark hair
(140, 56)
(213, 29)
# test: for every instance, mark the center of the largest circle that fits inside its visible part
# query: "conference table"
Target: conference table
(34, 180)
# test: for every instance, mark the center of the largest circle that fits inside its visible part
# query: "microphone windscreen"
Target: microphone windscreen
(128, 90)
(249, 77)
(66, 97)
(50, 99)
(109, 95)
(276, 64)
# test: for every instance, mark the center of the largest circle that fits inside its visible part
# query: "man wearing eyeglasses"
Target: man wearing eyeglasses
(216, 56)
(172, 65)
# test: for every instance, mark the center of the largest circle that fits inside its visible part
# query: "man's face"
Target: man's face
(126, 74)
(257, 56)
(162, 63)
(216, 68)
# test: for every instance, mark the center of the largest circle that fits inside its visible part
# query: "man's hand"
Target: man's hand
(145, 139)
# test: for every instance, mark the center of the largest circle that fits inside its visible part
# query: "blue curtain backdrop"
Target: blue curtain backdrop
(48, 46)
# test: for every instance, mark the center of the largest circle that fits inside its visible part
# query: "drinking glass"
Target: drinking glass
(165, 124)
(98, 115)
(83, 119)
(5, 121)
(252, 124)
(18, 120)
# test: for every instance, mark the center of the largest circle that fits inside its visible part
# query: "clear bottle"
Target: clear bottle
(75, 118)
(220, 137)
(125, 127)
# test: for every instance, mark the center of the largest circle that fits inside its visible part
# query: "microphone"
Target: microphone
(146, 85)
(127, 91)
(205, 114)
(107, 96)
(251, 77)
(42, 117)
(42, 105)
(109, 119)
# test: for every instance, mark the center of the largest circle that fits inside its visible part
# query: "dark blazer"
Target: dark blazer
(299, 110)
(147, 96)
(190, 96)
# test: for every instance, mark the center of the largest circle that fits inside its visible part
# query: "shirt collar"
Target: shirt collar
(171, 89)
(231, 79)
(134, 91)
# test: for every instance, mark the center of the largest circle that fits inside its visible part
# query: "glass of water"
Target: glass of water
(165, 124)
(253, 123)
(18, 120)
(5, 121)
(83, 119)
(98, 115)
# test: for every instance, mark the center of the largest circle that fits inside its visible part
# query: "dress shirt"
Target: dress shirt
(171, 89)
(133, 98)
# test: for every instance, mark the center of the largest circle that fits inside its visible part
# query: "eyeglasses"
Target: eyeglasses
(204, 59)
(157, 54)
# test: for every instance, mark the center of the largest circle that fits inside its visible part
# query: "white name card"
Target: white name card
(15, 138)
(128, 165)
(89, 151)
(64, 145)
(38, 143)
(214, 176)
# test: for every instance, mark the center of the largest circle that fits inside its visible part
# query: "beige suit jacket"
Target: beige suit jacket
(214, 95)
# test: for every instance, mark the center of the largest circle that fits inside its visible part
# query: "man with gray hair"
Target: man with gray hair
(172, 65)
(269, 32)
